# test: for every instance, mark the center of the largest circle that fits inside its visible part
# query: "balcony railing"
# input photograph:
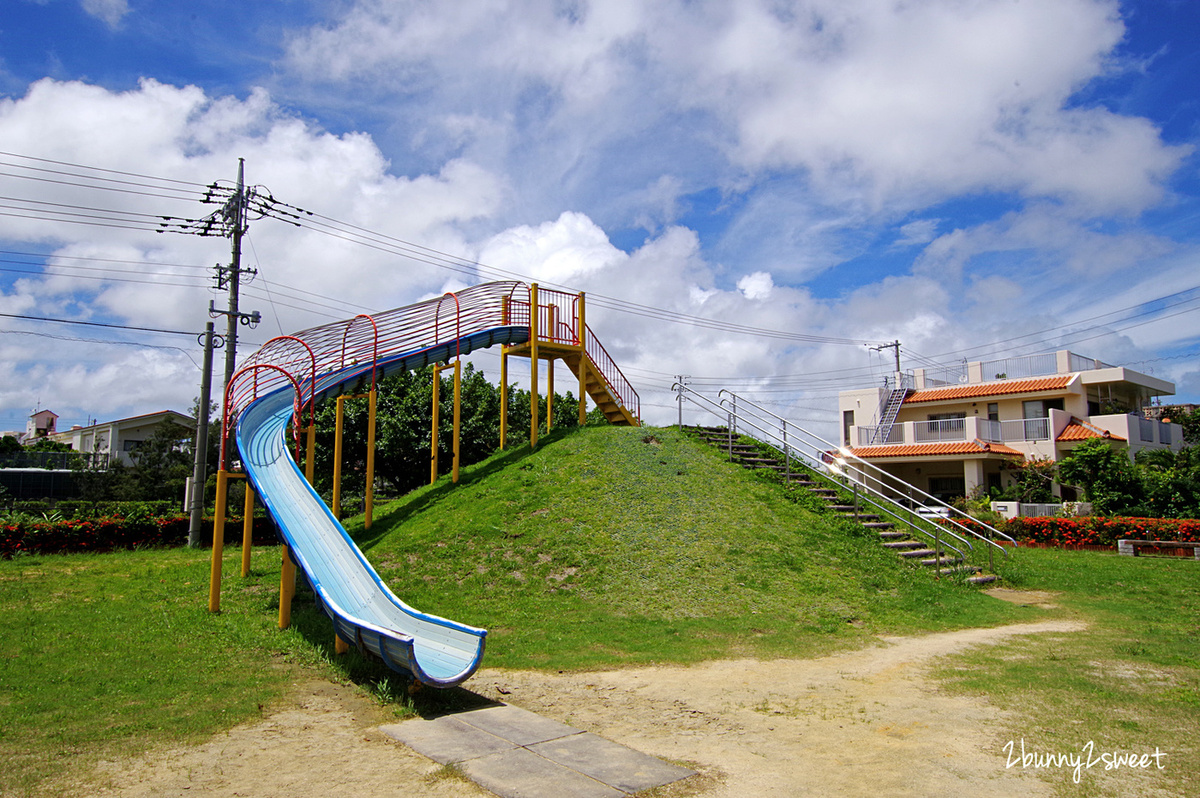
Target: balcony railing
(946, 429)
(960, 429)
(1019, 368)
(1025, 429)
(866, 434)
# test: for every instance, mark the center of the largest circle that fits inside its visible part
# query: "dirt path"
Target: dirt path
(867, 722)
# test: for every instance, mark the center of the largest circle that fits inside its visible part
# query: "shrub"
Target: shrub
(1101, 531)
(106, 533)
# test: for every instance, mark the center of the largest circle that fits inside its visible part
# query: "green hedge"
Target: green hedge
(1098, 530)
(113, 532)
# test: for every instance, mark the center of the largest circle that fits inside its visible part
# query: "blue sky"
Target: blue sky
(971, 178)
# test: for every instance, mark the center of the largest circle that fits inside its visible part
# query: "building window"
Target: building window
(847, 425)
(947, 488)
(993, 411)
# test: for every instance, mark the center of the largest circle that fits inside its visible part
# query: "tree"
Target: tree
(1171, 481)
(1108, 477)
(404, 423)
(1034, 479)
(162, 463)
(1188, 419)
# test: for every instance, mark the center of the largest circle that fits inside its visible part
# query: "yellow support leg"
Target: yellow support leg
(247, 529)
(433, 446)
(581, 340)
(503, 397)
(370, 498)
(309, 463)
(549, 395)
(337, 458)
(218, 546)
(533, 366)
(340, 645)
(582, 391)
(457, 416)
(287, 589)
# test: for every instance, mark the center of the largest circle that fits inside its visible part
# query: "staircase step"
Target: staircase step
(982, 579)
(912, 553)
(881, 525)
(959, 570)
(893, 534)
(904, 544)
(941, 561)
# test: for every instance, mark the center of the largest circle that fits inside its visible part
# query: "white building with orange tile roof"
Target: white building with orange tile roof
(951, 431)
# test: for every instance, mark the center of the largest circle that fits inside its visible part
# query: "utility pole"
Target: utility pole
(893, 345)
(680, 390)
(199, 463)
(234, 214)
(231, 217)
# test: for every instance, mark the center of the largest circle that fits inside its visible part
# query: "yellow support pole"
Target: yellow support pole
(309, 464)
(550, 336)
(433, 446)
(503, 397)
(457, 415)
(340, 645)
(337, 458)
(247, 528)
(287, 589)
(218, 546)
(370, 498)
(549, 395)
(583, 363)
(533, 366)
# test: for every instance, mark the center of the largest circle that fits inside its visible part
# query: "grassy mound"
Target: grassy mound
(616, 545)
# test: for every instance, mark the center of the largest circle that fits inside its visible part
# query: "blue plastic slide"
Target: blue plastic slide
(436, 651)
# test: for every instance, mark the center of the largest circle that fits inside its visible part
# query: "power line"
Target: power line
(95, 324)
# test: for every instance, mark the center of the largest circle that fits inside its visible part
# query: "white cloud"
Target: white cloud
(922, 231)
(882, 105)
(756, 285)
(185, 135)
(110, 12)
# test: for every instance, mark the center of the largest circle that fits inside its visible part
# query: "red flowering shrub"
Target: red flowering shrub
(1098, 530)
(109, 533)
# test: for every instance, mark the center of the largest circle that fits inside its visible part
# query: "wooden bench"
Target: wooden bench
(1130, 547)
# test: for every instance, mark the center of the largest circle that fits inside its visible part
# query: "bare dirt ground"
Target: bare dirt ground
(861, 723)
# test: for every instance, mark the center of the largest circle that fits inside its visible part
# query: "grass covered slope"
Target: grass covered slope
(622, 545)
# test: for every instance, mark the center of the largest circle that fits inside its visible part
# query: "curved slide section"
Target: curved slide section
(436, 651)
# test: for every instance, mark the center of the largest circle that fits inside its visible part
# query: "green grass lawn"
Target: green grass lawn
(1130, 683)
(606, 547)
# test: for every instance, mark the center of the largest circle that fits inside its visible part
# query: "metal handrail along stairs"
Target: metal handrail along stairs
(905, 506)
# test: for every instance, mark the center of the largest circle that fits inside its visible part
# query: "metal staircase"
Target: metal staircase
(918, 526)
(559, 331)
(887, 414)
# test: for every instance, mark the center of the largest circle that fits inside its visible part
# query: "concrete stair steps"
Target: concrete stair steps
(941, 561)
(900, 545)
(943, 564)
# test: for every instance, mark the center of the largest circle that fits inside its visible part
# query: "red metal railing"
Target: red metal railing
(301, 358)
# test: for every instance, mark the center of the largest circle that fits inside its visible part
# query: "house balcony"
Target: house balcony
(1138, 431)
(960, 429)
